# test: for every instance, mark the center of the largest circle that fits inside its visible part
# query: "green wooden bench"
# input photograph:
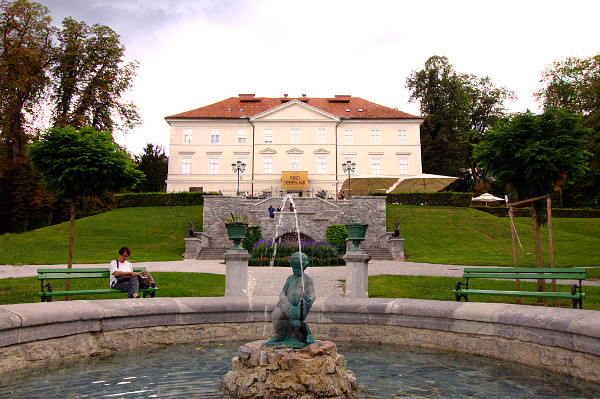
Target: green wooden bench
(523, 273)
(47, 293)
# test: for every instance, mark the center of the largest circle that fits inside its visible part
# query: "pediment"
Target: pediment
(295, 151)
(295, 111)
(321, 151)
(268, 151)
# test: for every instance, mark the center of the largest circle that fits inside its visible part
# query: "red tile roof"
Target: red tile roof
(247, 105)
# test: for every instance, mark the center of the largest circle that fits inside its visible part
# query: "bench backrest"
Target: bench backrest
(533, 273)
(87, 272)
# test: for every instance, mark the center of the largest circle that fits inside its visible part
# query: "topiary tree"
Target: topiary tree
(336, 235)
(533, 154)
(81, 163)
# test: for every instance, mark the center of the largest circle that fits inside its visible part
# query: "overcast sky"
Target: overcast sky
(196, 52)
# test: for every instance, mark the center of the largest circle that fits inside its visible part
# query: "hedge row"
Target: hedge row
(502, 211)
(446, 198)
(160, 199)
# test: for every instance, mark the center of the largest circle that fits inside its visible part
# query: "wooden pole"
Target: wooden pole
(538, 248)
(551, 243)
(527, 201)
(514, 245)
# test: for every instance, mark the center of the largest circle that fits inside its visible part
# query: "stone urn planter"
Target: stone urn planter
(356, 233)
(236, 232)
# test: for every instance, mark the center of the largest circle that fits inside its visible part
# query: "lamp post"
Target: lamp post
(349, 167)
(238, 167)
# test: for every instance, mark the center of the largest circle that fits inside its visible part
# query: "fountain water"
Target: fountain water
(292, 362)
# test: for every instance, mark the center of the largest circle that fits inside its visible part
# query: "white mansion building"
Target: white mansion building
(289, 144)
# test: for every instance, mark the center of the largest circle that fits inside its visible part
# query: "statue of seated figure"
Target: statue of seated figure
(295, 302)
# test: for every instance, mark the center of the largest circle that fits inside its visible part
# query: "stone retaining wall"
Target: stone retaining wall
(562, 340)
(314, 216)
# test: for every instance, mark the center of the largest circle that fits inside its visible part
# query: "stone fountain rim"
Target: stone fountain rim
(562, 340)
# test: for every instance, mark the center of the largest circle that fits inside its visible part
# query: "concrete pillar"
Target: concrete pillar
(396, 246)
(357, 274)
(236, 272)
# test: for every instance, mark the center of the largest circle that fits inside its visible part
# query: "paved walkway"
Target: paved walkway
(269, 281)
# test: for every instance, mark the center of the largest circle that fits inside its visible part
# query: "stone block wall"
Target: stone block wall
(314, 216)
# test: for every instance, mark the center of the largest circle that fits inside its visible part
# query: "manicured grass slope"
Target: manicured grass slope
(464, 236)
(152, 234)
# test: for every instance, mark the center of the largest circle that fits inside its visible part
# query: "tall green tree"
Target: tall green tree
(90, 77)
(532, 154)
(486, 107)
(573, 85)
(458, 109)
(25, 54)
(154, 164)
(82, 163)
(444, 104)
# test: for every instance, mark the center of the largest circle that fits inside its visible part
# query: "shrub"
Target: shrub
(160, 199)
(253, 235)
(445, 198)
(336, 235)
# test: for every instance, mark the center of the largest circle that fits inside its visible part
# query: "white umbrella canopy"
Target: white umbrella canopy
(423, 183)
(365, 184)
(487, 197)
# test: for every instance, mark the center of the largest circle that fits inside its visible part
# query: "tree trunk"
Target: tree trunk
(538, 247)
(71, 241)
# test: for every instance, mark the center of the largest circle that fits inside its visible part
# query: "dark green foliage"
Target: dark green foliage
(154, 164)
(458, 109)
(82, 163)
(160, 199)
(336, 235)
(90, 76)
(530, 152)
(443, 103)
(253, 235)
(446, 198)
(573, 85)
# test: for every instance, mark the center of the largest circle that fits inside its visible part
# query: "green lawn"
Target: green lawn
(170, 284)
(464, 236)
(446, 235)
(440, 289)
(152, 234)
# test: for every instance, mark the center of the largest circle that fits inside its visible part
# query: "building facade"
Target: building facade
(289, 145)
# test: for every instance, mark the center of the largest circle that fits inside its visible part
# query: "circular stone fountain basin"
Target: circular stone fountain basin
(383, 371)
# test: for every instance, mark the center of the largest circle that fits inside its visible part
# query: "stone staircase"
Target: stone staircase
(211, 253)
(379, 253)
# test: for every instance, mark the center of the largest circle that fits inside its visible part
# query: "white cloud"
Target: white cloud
(193, 53)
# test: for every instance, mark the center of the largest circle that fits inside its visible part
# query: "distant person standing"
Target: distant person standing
(271, 212)
(122, 276)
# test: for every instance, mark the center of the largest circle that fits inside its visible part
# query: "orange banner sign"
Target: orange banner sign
(294, 180)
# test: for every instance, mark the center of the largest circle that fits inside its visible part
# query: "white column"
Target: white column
(357, 274)
(236, 272)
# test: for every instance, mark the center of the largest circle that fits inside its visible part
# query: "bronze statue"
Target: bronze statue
(295, 301)
(191, 232)
(396, 230)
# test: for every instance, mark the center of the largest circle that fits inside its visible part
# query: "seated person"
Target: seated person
(122, 276)
(295, 301)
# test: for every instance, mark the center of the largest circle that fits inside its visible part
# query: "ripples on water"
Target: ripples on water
(384, 371)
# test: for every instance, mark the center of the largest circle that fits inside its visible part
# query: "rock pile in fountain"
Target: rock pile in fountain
(315, 371)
